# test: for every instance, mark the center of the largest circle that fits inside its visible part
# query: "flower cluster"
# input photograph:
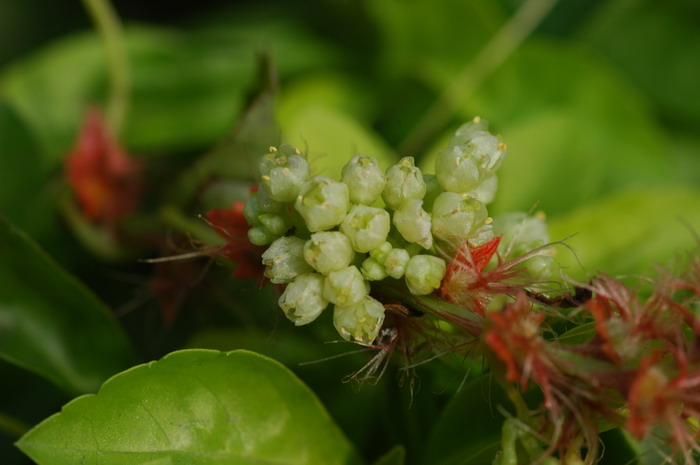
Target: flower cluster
(330, 239)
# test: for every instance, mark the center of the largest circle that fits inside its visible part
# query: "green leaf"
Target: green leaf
(431, 40)
(657, 45)
(469, 430)
(396, 456)
(50, 324)
(629, 232)
(194, 407)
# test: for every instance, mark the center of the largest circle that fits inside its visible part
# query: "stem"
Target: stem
(490, 58)
(12, 426)
(107, 23)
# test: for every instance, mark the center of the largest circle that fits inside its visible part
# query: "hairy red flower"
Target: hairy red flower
(514, 336)
(105, 180)
(655, 398)
(231, 225)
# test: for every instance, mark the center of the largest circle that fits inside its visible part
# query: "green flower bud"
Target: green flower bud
(283, 172)
(396, 261)
(456, 170)
(457, 216)
(404, 181)
(488, 151)
(328, 251)
(251, 210)
(372, 270)
(284, 260)
(274, 223)
(468, 131)
(345, 287)
(265, 202)
(260, 235)
(414, 223)
(433, 190)
(379, 253)
(367, 227)
(323, 203)
(524, 232)
(486, 191)
(364, 179)
(361, 321)
(424, 274)
(302, 301)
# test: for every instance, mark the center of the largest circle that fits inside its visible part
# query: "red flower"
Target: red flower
(232, 226)
(655, 398)
(104, 179)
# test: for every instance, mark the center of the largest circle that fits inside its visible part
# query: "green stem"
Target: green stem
(12, 426)
(488, 60)
(107, 23)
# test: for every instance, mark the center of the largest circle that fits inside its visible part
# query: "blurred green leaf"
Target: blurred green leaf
(429, 40)
(657, 45)
(50, 324)
(396, 456)
(194, 407)
(469, 429)
(629, 232)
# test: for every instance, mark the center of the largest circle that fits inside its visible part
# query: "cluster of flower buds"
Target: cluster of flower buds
(328, 239)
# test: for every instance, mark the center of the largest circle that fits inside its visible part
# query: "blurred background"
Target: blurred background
(598, 102)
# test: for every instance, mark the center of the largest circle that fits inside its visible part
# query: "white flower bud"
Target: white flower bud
(364, 179)
(361, 321)
(328, 251)
(284, 260)
(367, 227)
(302, 301)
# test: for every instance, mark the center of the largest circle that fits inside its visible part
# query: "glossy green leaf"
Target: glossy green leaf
(52, 325)
(657, 45)
(194, 407)
(396, 456)
(469, 429)
(629, 232)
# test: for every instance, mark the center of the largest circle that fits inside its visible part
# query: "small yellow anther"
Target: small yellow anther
(477, 119)
(272, 149)
(297, 151)
(488, 220)
(265, 177)
(540, 215)
(502, 146)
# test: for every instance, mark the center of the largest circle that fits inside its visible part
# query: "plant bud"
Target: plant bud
(328, 251)
(323, 203)
(456, 170)
(345, 287)
(274, 223)
(260, 235)
(372, 270)
(361, 321)
(468, 131)
(404, 181)
(395, 263)
(283, 172)
(284, 260)
(457, 216)
(364, 179)
(302, 301)
(414, 223)
(424, 274)
(367, 227)
(379, 253)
